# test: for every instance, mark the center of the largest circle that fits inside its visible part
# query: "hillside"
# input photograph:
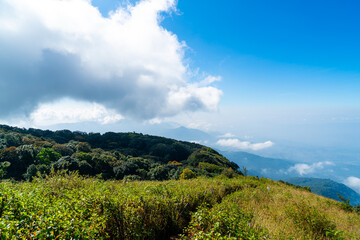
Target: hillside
(327, 188)
(26, 152)
(65, 206)
(74, 192)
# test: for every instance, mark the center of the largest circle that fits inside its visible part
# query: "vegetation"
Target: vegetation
(26, 152)
(98, 186)
(70, 206)
(328, 188)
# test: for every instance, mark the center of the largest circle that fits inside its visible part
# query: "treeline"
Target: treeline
(25, 153)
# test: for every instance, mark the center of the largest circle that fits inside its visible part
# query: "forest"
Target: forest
(24, 153)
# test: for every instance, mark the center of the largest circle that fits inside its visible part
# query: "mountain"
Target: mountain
(327, 188)
(188, 134)
(272, 168)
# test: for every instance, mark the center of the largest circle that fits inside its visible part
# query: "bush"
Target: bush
(187, 174)
(224, 221)
(315, 223)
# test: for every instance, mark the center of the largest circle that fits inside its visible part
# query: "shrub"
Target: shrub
(187, 174)
(224, 221)
(312, 221)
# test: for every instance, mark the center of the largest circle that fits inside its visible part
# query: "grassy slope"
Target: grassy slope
(217, 208)
(327, 188)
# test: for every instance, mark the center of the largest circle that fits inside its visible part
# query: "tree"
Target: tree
(47, 156)
(83, 147)
(187, 174)
(244, 171)
(3, 167)
(33, 171)
(13, 139)
(63, 149)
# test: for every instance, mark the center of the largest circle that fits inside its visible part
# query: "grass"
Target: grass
(68, 206)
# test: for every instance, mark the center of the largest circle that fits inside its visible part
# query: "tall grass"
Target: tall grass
(69, 206)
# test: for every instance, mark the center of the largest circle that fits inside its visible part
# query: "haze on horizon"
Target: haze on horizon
(279, 78)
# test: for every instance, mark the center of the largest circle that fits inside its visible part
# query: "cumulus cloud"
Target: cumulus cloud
(70, 111)
(304, 169)
(243, 145)
(354, 183)
(127, 62)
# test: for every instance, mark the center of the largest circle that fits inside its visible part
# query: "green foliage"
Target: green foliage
(187, 174)
(71, 207)
(83, 147)
(357, 208)
(66, 205)
(306, 188)
(345, 204)
(3, 167)
(223, 221)
(313, 222)
(229, 172)
(209, 167)
(36, 170)
(208, 155)
(63, 149)
(81, 156)
(47, 156)
(13, 139)
(244, 171)
(109, 155)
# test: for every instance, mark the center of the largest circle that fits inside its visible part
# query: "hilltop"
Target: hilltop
(24, 153)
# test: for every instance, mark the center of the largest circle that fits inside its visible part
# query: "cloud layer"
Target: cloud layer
(235, 143)
(304, 169)
(53, 49)
(354, 183)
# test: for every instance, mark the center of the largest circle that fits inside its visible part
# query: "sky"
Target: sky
(263, 76)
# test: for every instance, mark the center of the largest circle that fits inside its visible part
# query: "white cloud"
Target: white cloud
(227, 135)
(154, 121)
(70, 111)
(210, 79)
(127, 62)
(354, 183)
(243, 145)
(304, 169)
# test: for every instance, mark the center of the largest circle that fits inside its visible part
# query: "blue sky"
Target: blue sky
(297, 53)
(289, 70)
(275, 78)
(304, 50)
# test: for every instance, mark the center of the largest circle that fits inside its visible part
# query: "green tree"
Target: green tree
(83, 147)
(33, 171)
(3, 167)
(47, 156)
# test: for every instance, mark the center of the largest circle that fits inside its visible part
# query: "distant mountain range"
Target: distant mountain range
(272, 168)
(281, 169)
(327, 188)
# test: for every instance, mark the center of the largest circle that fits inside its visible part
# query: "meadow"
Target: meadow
(71, 206)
